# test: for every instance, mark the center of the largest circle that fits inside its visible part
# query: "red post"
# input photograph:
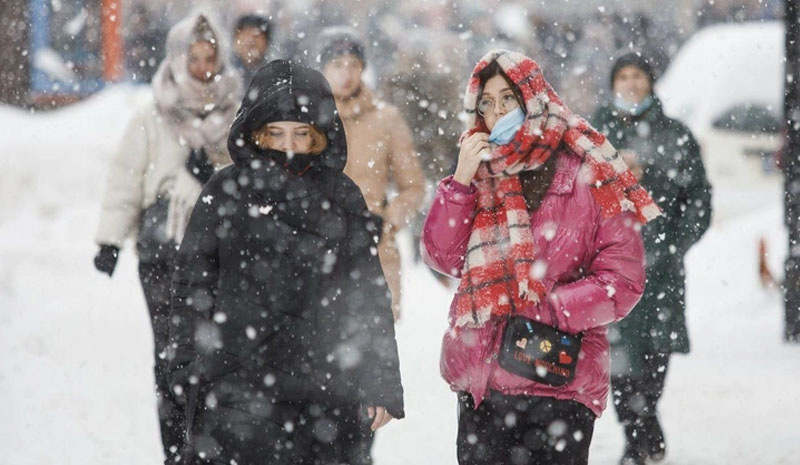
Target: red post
(112, 40)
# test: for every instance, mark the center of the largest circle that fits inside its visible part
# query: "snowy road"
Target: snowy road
(76, 346)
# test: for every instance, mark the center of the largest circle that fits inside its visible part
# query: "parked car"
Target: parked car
(726, 84)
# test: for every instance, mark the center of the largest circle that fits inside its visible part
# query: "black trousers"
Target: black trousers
(278, 434)
(155, 278)
(523, 430)
(636, 401)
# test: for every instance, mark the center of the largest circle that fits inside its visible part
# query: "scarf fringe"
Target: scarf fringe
(533, 294)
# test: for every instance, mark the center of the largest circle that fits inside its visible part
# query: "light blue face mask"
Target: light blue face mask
(506, 127)
(634, 109)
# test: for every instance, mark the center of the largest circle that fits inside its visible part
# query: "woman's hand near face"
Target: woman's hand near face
(469, 158)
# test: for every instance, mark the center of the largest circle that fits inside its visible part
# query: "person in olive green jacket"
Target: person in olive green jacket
(665, 156)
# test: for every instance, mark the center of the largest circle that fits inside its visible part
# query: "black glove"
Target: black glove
(199, 166)
(106, 259)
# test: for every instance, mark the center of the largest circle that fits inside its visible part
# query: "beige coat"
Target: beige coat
(380, 153)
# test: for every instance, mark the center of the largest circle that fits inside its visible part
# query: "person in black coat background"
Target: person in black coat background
(282, 337)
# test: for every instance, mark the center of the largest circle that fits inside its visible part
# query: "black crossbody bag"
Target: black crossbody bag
(539, 352)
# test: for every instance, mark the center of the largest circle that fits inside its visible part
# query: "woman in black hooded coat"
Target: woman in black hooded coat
(281, 333)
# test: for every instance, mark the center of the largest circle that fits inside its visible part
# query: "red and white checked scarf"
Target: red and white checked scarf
(499, 275)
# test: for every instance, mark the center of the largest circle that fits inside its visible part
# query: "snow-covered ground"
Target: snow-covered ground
(75, 370)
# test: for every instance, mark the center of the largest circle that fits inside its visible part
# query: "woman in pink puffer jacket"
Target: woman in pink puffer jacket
(541, 219)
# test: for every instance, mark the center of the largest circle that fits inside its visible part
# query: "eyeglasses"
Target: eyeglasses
(508, 102)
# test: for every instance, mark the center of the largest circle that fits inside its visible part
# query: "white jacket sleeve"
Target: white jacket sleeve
(123, 198)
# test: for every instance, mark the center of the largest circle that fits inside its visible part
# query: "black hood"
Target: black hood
(286, 91)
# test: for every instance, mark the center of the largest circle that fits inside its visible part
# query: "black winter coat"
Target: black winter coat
(674, 174)
(278, 294)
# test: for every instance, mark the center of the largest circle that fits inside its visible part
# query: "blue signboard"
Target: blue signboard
(66, 47)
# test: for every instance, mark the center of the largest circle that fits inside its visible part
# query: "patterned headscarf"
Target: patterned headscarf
(498, 276)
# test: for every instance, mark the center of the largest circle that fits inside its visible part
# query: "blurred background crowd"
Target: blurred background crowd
(419, 52)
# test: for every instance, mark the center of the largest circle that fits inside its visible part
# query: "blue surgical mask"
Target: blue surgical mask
(506, 127)
(634, 109)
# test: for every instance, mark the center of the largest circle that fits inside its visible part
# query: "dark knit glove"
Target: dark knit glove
(106, 259)
(199, 166)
